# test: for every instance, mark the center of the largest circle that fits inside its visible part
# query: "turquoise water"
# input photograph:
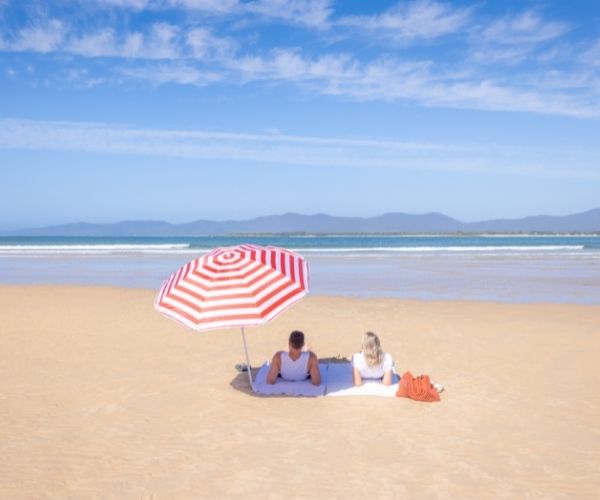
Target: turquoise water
(529, 268)
(425, 243)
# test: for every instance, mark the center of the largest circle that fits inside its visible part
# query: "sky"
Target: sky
(181, 110)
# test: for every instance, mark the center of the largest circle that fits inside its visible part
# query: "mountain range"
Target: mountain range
(585, 222)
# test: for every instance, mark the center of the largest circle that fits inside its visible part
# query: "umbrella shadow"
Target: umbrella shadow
(335, 359)
(241, 383)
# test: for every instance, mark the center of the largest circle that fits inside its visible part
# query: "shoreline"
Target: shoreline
(101, 396)
(312, 296)
(554, 278)
(308, 234)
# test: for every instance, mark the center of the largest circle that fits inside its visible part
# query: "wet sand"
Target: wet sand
(517, 278)
(102, 397)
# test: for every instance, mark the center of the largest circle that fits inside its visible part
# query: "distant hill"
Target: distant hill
(585, 222)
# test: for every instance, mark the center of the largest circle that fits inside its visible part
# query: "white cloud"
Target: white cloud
(289, 65)
(512, 55)
(82, 78)
(99, 44)
(525, 28)
(204, 44)
(284, 150)
(172, 73)
(423, 82)
(310, 13)
(133, 45)
(432, 90)
(386, 79)
(422, 19)
(106, 43)
(39, 37)
(128, 4)
(206, 6)
(195, 54)
(523, 37)
(591, 55)
(162, 41)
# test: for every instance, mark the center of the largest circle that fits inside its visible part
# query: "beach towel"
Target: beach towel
(418, 388)
(289, 388)
(336, 380)
(339, 383)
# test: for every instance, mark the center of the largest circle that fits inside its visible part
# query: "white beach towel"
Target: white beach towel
(288, 388)
(339, 383)
(336, 380)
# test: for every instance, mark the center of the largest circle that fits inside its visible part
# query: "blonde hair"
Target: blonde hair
(371, 348)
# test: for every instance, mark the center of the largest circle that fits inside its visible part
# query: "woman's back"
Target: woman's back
(372, 372)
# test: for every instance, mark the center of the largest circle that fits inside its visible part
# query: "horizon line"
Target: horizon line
(4, 232)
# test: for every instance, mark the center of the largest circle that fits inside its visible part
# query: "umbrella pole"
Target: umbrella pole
(247, 358)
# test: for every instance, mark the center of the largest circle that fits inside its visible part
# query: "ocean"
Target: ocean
(500, 268)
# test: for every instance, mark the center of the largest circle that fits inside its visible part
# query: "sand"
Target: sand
(102, 397)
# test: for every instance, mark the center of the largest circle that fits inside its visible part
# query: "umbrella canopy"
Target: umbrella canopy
(234, 286)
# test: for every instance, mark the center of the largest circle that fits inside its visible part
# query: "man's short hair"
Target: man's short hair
(297, 339)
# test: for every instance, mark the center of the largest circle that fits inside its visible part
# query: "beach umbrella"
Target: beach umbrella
(238, 286)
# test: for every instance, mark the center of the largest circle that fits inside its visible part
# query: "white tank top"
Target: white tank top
(294, 370)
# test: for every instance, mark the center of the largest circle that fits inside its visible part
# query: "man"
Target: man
(296, 364)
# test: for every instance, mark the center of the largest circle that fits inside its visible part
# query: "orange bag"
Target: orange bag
(418, 388)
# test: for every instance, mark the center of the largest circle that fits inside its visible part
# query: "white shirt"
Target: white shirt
(360, 363)
(294, 370)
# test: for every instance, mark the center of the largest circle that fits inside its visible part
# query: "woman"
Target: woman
(372, 363)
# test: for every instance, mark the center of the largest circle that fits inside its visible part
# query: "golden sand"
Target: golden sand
(102, 397)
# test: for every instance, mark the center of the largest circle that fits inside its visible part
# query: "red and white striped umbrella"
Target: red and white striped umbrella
(234, 286)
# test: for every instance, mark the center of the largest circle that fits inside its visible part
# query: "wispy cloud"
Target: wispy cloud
(290, 65)
(284, 150)
(198, 52)
(160, 41)
(81, 78)
(514, 39)
(41, 36)
(526, 27)
(102, 43)
(179, 73)
(383, 79)
(310, 13)
(205, 45)
(421, 19)
(395, 79)
(591, 55)
(128, 4)
(206, 6)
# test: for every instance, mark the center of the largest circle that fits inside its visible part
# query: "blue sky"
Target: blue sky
(217, 109)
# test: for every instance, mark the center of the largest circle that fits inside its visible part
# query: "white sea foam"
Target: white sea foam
(507, 248)
(100, 249)
(184, 248)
